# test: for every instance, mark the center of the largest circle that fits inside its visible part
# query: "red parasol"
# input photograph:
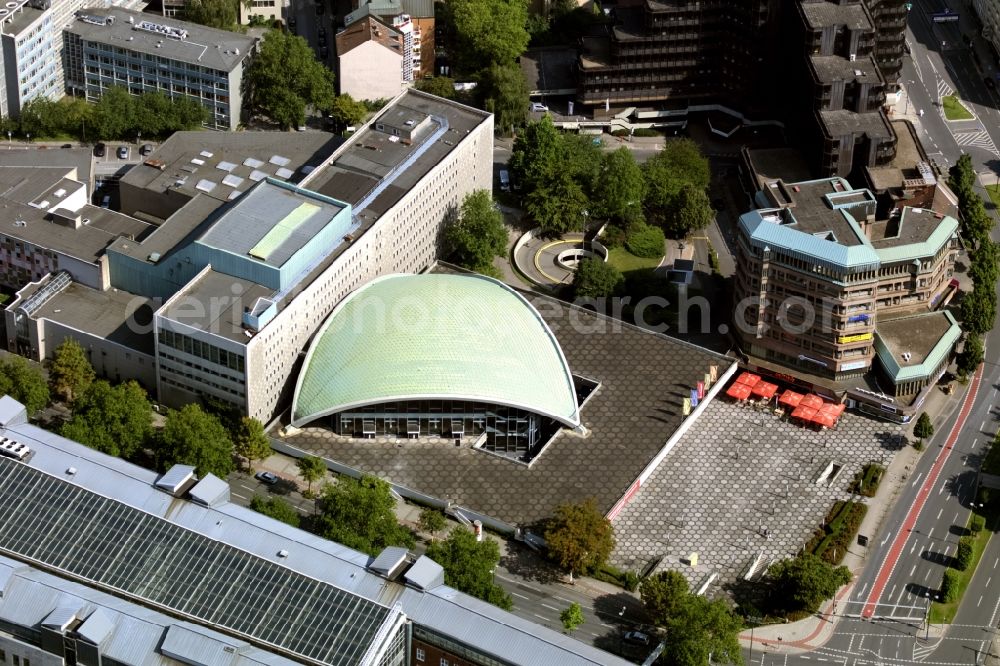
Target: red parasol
(811, 400)
(748, 378)
(790, 398)
(804, 413)
(739, 391)
(824, 419)
(765, 390)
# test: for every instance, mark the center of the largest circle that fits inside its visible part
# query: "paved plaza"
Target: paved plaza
(741, 485)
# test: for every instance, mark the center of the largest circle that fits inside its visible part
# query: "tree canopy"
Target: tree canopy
(478, 234)
(488, 31)
(979, 309)
(250, 441)
(971, 356)
(346, 111)
(285, 77)
(70, 371)
(537, 153)
(469, 565)
(360, 514)
(924, 428)
(505, 95)
(579, 537)
(442, 86)
(312, 469)
(558, 204)
(620, 188)
(804, 582)
(699, 628)
(117, 420)
(277, 508)
(571, 617)
(432, 521)
(676, 180)
(221, 14)
(24, 382)
(192, 437)
(596, 278)
(662, 594)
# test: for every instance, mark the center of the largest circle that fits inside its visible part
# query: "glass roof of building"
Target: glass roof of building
(414, 337)
(112, 545)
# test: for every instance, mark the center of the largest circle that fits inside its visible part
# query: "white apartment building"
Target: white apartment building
(116, 47)
(32, 47)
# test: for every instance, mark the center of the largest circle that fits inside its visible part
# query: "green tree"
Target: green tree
(250, 441)
(347, 111)
(951, 585)
(192, 437)
(962, 178)
(579, 537)
(277, 508)
(979, 309)
(595, 278)
(558, 204)
(571, 617)
(804, 582)
(645, 240)
(963, 556)
(976, 222)
(442, 86)
(117, 420)
(70, 371)
(360, 514)
(75, 113)
(971, 356)
(488, 31)
(680, 163)
(582, 159)
(478, 234)
(985, 266)
(699, 628)
(189, 113)
(469, 566)
(41, 117)
(662, 594)
(689, 211)
(285, 77)
(923, 428)
(221, 14)
(432, 521)
(312, 469)
(620, 188)
(537, 153)
(114, 115)
(25, 383)
(505, 95)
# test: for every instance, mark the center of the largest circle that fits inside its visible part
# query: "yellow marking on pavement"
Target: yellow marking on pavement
(539, 251)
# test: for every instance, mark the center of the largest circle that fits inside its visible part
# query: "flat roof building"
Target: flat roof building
(196, 577)
(116, 47)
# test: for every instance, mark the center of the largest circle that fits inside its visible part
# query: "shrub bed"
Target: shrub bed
(842, 523)
(866, 481)
(646, 241)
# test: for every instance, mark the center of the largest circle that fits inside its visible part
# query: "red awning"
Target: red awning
(824, 419)
(834, 409)
(790, 398)
(748, 378)
(804, 413)
(739, 391)
(811, 400)
(765, 389)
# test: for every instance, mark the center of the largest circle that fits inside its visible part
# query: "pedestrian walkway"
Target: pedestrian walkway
(811, 633)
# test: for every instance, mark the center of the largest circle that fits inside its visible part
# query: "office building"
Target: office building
(31, 48)
(105, 48)
(104, 562)
(817, 272)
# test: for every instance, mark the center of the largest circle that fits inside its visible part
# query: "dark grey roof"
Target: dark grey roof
(873, 124)
(216, 49)
(824, 13)
(829, 69)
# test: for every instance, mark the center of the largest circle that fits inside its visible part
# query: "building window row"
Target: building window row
(203, 350)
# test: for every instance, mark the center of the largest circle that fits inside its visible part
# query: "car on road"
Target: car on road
(538, 106)
(636, 638)
(146, 149)
(123, 152)
(270, 478)
(100, 150)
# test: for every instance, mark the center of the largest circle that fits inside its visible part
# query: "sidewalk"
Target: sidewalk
(811, 633)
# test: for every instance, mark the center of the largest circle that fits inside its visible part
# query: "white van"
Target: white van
(504, 181)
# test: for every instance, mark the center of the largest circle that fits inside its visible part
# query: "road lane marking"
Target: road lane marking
(541, 617)
(996, 562)
(913, 570)
(980, 601)
(551, 608)
(943, 486)
(916, 480)
(930, 533)
(940, 511)
(927, 575)
(569, 601)
(519, 596)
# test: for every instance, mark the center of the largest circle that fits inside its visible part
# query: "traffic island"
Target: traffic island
(943, 612)
(954, 109)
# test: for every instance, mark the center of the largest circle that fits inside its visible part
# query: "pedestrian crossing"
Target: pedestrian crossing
(943, 89)
(978, 138)
(921, 651)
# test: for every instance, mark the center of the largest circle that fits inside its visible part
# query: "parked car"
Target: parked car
(123, 152)
(538, 106)
(636, 638)
(146, 149)
(100, 150)
(266, 477)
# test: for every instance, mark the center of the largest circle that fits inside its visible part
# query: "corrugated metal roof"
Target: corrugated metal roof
(425, 574)
(63, 615)
(808, 247)
(193, 647)
(175, 477)
(96, 627)
(389, 560)
(210, 491)
(12, 412)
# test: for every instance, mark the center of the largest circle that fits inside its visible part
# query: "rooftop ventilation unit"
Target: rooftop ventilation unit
(92, 20)
(160, 29)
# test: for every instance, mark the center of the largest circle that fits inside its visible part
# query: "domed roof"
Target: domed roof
(438, 336)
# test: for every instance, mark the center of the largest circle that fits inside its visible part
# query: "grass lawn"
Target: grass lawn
(953, 109)
(625, 261)
(945, 613)
(994, 191)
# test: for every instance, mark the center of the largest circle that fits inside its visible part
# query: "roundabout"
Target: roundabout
(549, 262)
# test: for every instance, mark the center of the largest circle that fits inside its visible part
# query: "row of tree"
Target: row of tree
(117, 115)
(979, 307)
(567, 179)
